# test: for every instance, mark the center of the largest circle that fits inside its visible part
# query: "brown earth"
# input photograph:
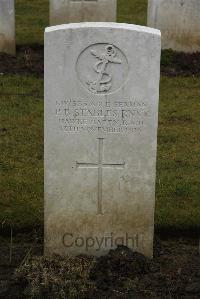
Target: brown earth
(30, 60)
(173, 273)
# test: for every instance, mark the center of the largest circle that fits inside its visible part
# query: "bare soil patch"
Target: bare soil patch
(180, 64)
(173, 273)
(28, 60)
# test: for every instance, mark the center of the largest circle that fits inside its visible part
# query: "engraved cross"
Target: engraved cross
(100, 166)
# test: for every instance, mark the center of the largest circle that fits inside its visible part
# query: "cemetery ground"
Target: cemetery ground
(174, 272)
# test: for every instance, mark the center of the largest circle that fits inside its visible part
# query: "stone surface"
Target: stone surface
(179, 22)
(101, 114)
(7, 26)
(74, 11)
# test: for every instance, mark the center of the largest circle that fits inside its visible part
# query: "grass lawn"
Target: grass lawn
(178, 177)
(21, 100)
(32, 16)
(21, 151)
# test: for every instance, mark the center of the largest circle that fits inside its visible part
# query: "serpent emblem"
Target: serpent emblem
(103, 82)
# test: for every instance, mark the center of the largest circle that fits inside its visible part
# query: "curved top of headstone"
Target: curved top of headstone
(104, 25)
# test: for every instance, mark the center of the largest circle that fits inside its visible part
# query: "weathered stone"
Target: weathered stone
(74, 11)
(7, 26)
(101, 114)
(179, 22)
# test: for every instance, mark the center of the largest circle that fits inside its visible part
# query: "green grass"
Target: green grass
(132, 11)
(21, 151)
(178, 178)
(32, 16)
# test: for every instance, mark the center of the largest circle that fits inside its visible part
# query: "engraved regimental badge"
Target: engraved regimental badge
(102, 68)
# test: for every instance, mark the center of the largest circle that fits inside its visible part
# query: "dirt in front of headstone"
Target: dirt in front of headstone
(30, 60)
(180, 64)
(173, 273)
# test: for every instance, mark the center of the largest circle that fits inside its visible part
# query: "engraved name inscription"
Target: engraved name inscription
(103, 116)
(100, 165)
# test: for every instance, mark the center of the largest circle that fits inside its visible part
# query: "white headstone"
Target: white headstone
(7, 26)
(179, 22)
(101, 115)
(74, 11)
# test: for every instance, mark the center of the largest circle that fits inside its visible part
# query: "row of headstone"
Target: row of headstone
(178, 20)
(101, 117)
(61, 11)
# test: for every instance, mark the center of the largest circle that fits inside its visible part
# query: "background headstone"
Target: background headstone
(101, 114)
(7, 26)
(74, 11)
(179, 22)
